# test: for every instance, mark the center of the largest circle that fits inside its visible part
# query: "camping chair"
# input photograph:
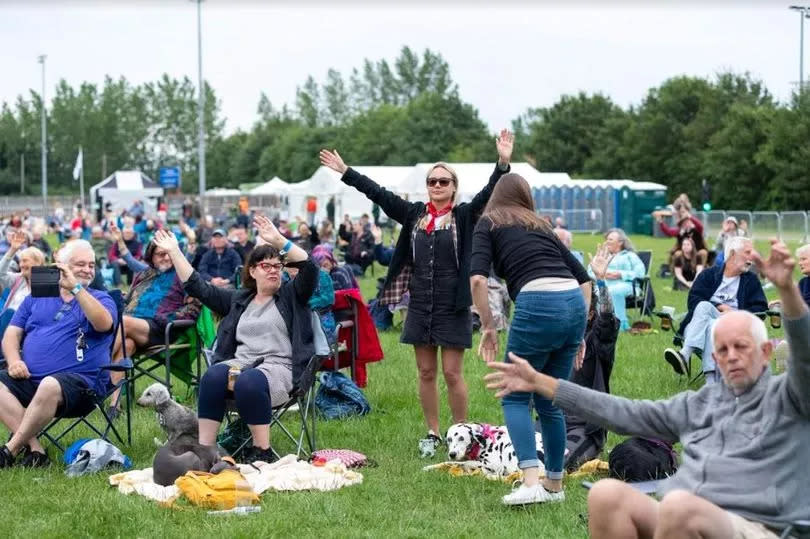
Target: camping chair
(301, 398)
(345, 319)
(642, 298)
(181, 357)
(126, 386)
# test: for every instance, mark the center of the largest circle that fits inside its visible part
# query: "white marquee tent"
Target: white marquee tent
(222, 192)
(472, 177)
(123, 187)
(325, 183)
(276, 186)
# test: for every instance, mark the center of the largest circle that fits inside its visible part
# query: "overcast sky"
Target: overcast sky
(504, 60)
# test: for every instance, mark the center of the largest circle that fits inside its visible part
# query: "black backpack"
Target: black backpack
(642, 459)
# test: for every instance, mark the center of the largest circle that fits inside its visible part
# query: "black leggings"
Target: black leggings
(251, 393)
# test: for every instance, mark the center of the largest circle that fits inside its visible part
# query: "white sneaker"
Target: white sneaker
(524, 495)
(429, 444)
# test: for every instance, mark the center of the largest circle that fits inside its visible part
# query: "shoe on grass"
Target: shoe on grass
(33, 459)
(524, 495)
(429, 444)
(6, 458)
(674, 358)
(253, 454)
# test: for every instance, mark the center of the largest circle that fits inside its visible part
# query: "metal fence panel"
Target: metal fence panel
(744, 220)
(765, 224)
(794, 226)
(586, 220)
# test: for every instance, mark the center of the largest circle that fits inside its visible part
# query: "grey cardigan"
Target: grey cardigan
(749, 454)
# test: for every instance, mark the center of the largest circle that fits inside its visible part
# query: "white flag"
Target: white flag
(77, 169)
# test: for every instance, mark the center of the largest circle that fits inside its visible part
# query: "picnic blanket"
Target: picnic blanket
(286, 474)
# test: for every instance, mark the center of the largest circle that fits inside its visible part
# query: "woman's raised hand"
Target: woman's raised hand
(505, 143)
(599, 263)
(18, 239)
(268, 231)
(166, 240)
(333, 160)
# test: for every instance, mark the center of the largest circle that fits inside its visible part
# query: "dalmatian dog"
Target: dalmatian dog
(478, 445)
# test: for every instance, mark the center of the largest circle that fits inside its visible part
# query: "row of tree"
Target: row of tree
(728, 130)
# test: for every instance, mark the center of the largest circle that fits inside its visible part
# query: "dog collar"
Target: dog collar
(475, 450)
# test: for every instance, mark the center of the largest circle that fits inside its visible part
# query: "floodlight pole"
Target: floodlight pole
(41, 60)
(201, 112)
(804, 11)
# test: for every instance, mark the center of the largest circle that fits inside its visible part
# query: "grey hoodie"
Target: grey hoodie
(749, 454)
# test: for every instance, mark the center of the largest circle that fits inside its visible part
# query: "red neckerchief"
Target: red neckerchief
(435, 214)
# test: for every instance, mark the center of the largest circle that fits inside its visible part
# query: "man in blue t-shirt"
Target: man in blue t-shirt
(65, 340)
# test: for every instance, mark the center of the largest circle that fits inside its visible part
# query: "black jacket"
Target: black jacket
(291, 300)
(408, 213)
(750, 296)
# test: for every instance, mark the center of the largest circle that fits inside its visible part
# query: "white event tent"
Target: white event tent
(325, 183)
(123, 187)
(472, 177)
(276, 186)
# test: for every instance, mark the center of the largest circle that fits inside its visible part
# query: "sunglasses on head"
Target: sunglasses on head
(444, 182)
(267, 266)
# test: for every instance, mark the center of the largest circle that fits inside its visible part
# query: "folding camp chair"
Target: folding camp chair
(345, 319)
(642, 288)
(126, 386)
(301, 398)
(180, 357)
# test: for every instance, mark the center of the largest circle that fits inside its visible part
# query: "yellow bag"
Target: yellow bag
(225, 490)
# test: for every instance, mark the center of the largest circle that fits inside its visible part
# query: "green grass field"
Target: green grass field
(396, 498)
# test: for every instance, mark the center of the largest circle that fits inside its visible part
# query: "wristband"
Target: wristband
(76, 289)
(600, 282)
(286, 249)
(503, 167)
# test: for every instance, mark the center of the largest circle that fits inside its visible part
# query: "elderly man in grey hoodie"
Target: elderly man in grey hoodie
(746, 442)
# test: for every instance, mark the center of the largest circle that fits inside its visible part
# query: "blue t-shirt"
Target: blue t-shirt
(51, 327)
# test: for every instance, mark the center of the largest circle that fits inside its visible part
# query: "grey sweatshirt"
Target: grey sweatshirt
(749, 454)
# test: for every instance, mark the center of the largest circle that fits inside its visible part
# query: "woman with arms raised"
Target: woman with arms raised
(432, 262)
(265, 334)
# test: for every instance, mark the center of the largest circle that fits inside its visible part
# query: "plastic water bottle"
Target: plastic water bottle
(241, 510)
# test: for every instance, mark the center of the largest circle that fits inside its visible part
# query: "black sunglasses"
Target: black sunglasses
(444, 182)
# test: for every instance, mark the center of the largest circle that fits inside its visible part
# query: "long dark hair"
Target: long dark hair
(262, 252)
(511, 204)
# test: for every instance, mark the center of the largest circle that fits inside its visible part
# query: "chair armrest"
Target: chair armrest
(124, 365)
(640, 281)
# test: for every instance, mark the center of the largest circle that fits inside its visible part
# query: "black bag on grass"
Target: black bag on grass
(642, 459)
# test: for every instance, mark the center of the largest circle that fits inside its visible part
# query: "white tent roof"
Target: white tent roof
(276, 186)
(222, 192)
(127, 182)
(473, 177)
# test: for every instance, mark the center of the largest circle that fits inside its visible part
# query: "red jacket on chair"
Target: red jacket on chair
(368, 344)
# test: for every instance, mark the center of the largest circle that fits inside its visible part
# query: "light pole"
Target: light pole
(201, 112)
(41, 60)
(804, 11)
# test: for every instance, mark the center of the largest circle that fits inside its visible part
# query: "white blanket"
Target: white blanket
(287, 474)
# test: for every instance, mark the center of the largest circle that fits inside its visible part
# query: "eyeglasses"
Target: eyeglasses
(433, 182)
(267, 266)
(161, 254)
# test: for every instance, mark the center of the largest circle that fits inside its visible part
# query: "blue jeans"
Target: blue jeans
(546, 331)
(698, 334)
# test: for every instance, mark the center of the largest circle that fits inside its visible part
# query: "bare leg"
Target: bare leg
(618, 511)
(137, 331)
(11, 411)
(38, 414)
(261, 435)
(452, 361)
(426, 362)
(208, 431)
(681, 514)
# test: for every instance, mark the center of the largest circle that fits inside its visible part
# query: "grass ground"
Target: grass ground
(396, 498)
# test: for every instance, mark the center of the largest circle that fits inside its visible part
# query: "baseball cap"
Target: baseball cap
(218, 232)
(732, 219)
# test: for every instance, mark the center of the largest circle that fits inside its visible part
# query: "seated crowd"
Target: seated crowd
(741, 431)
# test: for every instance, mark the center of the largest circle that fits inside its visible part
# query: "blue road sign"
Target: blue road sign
(170, 177)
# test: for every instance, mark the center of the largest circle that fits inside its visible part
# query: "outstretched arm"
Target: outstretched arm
(778, 268)
(393, 205)
(504, 143)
